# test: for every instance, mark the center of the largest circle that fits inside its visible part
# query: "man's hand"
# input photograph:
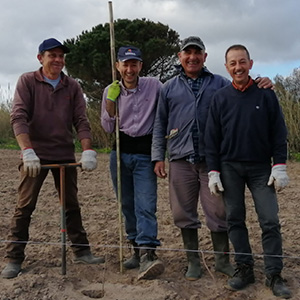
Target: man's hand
(32, 165)
(264, 83)
(159, 169)
(113, 91)
(279, 177)
(214, 183)
(88, 160)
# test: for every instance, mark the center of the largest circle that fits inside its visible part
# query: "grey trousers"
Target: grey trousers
(189, 185)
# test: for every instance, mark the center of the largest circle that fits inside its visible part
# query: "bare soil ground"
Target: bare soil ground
(41, 277)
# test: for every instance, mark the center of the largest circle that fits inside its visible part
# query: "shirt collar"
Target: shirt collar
(204, 71)
(127, 91)
(244, 88)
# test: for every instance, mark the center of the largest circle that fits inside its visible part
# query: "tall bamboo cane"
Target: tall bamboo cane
(114, 77)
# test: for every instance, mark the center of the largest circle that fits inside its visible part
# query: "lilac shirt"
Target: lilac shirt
(136, 109)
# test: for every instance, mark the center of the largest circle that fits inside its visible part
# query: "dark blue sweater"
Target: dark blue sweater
(246, 127)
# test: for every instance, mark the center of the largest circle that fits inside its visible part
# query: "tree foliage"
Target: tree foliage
(288, 92)
(288, 87)
(90, 62)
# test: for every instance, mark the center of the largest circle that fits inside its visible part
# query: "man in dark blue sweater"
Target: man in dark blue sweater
(246, 144)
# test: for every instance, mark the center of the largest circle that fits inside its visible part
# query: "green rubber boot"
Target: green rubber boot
(190, 241)
(221, 244)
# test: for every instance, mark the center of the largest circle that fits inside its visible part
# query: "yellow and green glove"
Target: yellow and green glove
(113, 91)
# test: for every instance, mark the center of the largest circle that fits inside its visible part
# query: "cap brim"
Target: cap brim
(64, 48)
(129, 58)
(192, 44)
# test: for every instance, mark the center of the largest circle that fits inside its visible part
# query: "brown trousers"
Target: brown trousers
(188, 186)
(28, 192)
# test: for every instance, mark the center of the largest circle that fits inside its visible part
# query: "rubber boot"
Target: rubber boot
(190, 241)
(88, 258)
(221, 244)
(11, 270)
(134, 261)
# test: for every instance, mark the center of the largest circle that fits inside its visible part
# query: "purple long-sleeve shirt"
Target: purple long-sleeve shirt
(48, 115)
(136, 108)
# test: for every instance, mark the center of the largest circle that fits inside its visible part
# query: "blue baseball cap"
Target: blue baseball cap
(51, 44)
(129, 52)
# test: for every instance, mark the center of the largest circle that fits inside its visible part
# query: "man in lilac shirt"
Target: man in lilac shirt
(137, 99)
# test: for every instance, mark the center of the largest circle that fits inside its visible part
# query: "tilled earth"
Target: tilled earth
(41, 277)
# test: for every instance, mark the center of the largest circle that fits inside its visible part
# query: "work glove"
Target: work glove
(31, 163)
(279, 177)
(214, 183)
(88, 160)
(113, 91)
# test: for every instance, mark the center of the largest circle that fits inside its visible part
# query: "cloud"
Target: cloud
(269, 28)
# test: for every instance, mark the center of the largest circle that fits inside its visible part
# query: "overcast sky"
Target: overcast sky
(268, 28)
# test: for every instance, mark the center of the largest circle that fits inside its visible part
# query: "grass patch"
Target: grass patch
(10, 144)
(295, 156)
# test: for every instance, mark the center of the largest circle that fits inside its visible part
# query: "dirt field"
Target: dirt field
(41, 277)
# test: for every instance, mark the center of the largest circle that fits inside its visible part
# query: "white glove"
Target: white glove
(279, 177)
(88, 160)
(32, 166)
(214, 183)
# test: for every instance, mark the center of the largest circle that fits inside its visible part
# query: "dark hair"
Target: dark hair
(237, 47)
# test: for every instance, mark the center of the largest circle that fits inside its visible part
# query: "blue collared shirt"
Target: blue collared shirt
(195, 85)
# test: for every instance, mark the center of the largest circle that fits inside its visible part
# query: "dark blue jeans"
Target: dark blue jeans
(139, 196)
(235, 176)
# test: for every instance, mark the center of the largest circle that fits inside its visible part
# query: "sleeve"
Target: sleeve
(159, 142)
(108, 123)
(213, 136)
(278, 130)
(21, 107)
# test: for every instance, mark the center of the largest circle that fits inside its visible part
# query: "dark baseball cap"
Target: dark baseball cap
(192, 41)
(51, 44)
(129, 52)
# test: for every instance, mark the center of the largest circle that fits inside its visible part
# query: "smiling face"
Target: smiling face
(129, 71)
(238, 64)
(192, 60)
(53, 61)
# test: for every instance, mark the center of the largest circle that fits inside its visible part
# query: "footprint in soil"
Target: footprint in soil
(95, 294)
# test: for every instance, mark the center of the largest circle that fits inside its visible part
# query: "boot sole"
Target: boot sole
(11, 276)
(192, 278)
(156, 269)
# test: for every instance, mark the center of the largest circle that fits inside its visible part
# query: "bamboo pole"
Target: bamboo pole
(114, 77)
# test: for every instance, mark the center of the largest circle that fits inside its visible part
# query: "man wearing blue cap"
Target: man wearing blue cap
(47, 105)
(137, 100)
